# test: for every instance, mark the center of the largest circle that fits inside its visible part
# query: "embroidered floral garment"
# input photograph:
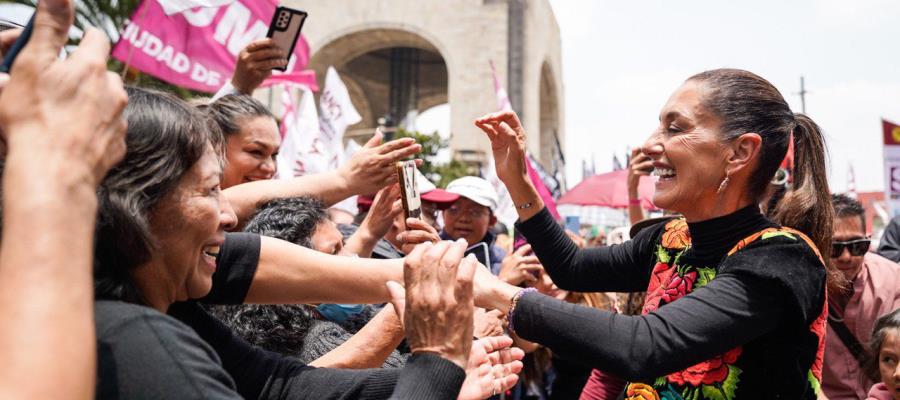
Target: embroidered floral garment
(671, 279)
(734, 309)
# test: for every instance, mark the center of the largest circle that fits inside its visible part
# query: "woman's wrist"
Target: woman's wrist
(502, 296)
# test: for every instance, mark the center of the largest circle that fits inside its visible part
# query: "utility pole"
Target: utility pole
(802, 94)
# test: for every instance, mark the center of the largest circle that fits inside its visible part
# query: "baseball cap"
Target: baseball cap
(427, 191)
(475, 189)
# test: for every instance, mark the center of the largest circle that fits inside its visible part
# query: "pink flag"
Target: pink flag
(196, 48)
(504, 104)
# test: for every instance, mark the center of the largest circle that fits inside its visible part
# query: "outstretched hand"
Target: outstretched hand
(437, 302)
(373, 166)
(493, 368)
(507, 144)
(493, 365)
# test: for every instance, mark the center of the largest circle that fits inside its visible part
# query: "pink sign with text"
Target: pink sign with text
(196, 48)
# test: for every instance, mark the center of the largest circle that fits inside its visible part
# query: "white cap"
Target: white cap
(475, 189)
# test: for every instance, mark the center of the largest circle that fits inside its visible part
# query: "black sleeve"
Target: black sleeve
(889, 246)
(152, 356)
(616, 268)
(739, 305)
(260, 374)
(235, 267)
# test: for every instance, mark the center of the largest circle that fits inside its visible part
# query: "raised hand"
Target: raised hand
(438, 300)
(493, 368)
(373, 166)
(385, 207)
(71, 108)
(255, 63)
(417, 231)
(507, 144)
(520, 266)
(640, 164)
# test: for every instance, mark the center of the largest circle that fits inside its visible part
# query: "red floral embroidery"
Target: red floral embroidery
(818, 328)
(679, 286)
(709, 372)
(662, 274)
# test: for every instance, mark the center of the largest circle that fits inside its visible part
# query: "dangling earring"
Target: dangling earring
(723, 185)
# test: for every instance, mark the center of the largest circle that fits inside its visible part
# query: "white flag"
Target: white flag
(336, 113)
(301, 152)
(506, 210)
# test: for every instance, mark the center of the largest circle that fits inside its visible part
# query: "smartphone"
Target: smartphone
(409, 190)
(285, 29)
(13, 52)
(482, 254)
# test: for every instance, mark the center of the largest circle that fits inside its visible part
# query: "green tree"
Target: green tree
(439, 173)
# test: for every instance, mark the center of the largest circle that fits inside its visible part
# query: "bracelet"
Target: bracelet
(634, 202)
(512, 306)
(526, 205)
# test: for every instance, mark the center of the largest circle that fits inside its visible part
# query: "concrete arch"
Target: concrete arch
(361, 53)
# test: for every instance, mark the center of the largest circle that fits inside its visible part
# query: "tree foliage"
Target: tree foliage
(438, 173)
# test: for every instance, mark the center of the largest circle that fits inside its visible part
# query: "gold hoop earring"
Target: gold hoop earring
(723, 185)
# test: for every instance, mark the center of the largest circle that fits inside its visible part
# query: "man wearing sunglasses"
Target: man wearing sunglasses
(873, 289)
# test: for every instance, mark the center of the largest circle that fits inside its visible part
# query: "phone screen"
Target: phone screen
(481, 253)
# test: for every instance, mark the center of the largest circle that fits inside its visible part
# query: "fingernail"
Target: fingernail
(471, 257)
(462, 241)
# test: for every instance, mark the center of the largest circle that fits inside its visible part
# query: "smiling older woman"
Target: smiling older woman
(161, 242)
(735, 302)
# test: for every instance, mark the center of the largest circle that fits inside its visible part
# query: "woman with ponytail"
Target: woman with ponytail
(736, 301)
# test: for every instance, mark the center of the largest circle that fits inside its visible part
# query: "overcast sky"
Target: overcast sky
(622, 59)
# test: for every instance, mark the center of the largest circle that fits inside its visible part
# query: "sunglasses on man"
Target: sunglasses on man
(857, 247)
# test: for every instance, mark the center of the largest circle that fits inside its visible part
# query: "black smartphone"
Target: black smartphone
(482, 254)
(285, 29)
(13, 52)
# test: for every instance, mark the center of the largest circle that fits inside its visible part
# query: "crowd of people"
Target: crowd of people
(148, 252)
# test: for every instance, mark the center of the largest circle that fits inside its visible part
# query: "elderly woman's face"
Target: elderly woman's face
(251, 152)
(687, 153)
(189, 225)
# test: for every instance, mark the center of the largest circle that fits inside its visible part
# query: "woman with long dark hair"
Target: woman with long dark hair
(735, 303)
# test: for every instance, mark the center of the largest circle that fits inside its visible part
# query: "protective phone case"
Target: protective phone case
(285, 29)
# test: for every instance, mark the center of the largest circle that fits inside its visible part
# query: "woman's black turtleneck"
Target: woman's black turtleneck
(763, 298)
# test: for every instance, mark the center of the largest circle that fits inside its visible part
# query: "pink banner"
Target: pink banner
(197, 48)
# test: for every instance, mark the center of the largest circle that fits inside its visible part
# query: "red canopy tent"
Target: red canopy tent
(609, 190)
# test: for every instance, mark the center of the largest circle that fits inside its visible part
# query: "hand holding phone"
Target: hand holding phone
(16, 47)
(409, 190)
(285, 29)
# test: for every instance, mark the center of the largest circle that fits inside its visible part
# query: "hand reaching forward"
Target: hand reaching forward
(520, 266)
(494, 368)
(417, 231)
(385, 207)
(373, 166)
(507, 143)
(493, 365)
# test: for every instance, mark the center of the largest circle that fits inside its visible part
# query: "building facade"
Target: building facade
(401, 57)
